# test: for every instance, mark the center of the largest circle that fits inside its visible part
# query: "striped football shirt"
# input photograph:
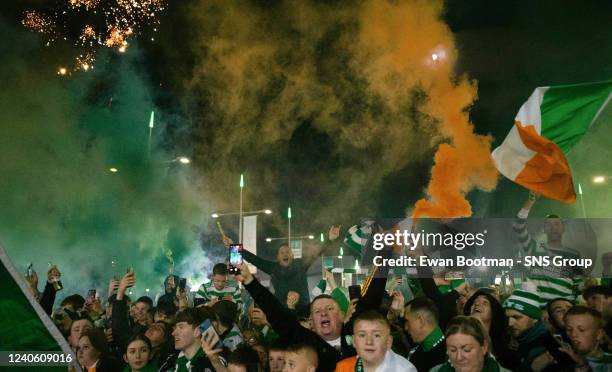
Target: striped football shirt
(552, 282)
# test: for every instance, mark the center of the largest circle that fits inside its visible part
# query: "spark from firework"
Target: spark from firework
(83, 3)
(85, 62)
(110, 24)
(38, 22)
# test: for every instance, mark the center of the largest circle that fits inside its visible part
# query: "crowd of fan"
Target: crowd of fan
(234, 323)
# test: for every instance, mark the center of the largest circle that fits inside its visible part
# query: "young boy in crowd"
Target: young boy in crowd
(276, 358)
(372, 340)
(218, 289)
(300, 358)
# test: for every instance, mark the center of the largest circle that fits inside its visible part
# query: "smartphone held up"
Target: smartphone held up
(235, 258)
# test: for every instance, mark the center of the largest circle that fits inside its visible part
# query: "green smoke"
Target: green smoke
(59, 201)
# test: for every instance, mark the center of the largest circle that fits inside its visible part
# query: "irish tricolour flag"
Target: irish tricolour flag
(545, 129)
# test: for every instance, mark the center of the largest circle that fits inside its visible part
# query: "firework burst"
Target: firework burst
(110, 24)
(38, 22)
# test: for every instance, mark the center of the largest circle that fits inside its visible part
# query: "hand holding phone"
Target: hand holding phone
(210, 335)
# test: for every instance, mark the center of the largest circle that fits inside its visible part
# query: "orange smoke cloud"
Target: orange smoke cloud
(408, 45)
(462, 164)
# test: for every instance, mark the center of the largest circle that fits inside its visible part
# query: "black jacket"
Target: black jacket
(122, 327)
(446, 303)
(292, 278)
(48, 298)
(426, 360)
(290, 331)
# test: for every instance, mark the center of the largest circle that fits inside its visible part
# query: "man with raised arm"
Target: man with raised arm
(288, 273)
(552, 283)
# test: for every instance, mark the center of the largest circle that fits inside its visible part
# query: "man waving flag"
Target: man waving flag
(546, 127)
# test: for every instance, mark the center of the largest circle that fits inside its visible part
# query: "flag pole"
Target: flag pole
(581, 201)
(240, 224)
(289, 226)
(151, 123)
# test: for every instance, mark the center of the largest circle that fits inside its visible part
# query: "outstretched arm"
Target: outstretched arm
(528, 244)
(264, 265)
(48, 296)
(280, 318)
(332, 235)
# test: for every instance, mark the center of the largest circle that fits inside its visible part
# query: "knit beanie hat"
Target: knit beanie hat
(525, 300)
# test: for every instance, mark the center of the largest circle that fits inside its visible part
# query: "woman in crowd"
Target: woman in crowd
(138, 355)
(93, 353)
(467, 347)
(486, 308)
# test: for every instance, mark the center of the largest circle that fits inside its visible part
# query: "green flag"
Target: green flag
(24, 325)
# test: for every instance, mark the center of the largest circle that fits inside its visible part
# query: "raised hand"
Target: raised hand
(208, 343)
(258, 317)
(397, 304)
(351, 310)
(126, 282)
(531, 199)
(53, 273)
(113, 285)
(245, 276)
(227, 241)
(32, 280)
(292, 299)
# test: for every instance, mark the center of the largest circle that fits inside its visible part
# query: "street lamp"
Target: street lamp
(600, 179)
(217, 215)
(180, 159)
(301, 237)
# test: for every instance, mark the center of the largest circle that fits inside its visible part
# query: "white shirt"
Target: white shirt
(394, 362)
(336, 344)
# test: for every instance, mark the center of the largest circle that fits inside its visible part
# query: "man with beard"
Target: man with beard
(288, 273)
(524, 324)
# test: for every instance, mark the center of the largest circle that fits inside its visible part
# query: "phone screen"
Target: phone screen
(354, 291)
(235, 254)
(91, 293)
(208, 331)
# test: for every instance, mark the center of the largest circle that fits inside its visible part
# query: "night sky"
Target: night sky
(323, 105)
